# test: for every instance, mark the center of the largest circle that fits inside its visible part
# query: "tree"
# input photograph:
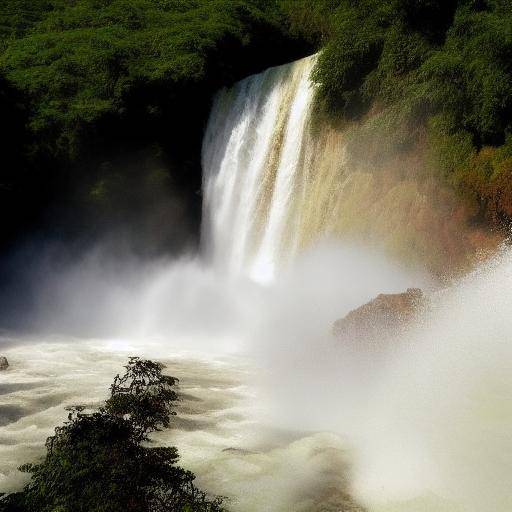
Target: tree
(101, 462)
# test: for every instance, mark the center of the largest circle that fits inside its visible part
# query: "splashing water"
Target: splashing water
(428, 415)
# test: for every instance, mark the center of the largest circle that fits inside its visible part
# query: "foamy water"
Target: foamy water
(220, 428)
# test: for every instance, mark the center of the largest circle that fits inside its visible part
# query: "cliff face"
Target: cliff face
(391, 200)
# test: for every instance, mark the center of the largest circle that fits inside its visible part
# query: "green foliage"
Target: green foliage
(105, 78)
(98, 77)
(351, 53)
(470, 76)
(79, 60)
(449, 149)
(145, 395)
(97, 462)
(427, 57)
(17, 17)
(311, 21)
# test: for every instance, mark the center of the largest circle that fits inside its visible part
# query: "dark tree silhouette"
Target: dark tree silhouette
(102, 461)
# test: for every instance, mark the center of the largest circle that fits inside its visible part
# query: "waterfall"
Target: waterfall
(254, 163)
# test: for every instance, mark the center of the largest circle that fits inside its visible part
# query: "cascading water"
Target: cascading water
(253, 161)
(277, 179)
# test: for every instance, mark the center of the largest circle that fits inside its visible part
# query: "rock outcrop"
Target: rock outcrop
(4, 364)
(386, 315)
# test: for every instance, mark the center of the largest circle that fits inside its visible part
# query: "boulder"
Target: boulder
(386, 315)
(4, 364)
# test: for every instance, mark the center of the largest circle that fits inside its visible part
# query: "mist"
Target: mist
(426, 415)
(422, 417)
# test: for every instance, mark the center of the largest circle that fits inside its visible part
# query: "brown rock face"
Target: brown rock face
(4, 364)
(385, 315)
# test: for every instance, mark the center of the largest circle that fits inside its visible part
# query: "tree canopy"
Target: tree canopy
(96, 79)
(80, 61)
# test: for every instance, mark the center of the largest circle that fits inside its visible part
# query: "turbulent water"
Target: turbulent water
(277, 414)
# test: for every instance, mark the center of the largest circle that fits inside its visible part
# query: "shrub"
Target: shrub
(101, 462)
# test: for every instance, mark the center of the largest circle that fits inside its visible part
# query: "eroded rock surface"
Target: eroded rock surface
(385, 315)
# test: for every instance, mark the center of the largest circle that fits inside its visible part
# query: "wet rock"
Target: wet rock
(386, 315)
(4, 364)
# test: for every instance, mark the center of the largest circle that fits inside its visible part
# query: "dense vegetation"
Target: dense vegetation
(103, 461)
(88, 80)
(85, 81)
(440, 66)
